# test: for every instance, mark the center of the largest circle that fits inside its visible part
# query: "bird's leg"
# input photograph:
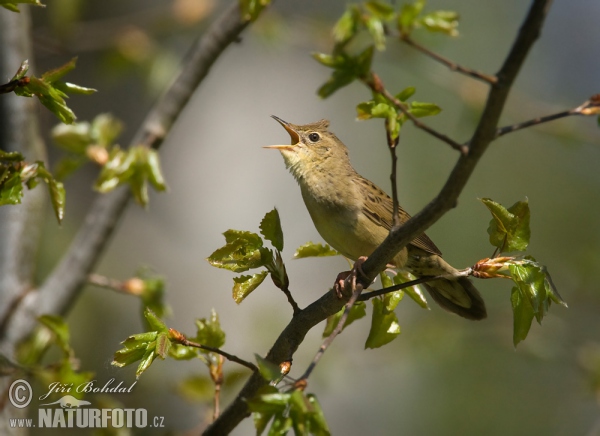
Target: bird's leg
(340, 281)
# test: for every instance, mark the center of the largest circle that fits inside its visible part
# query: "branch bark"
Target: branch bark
(20, 225)
(291, 337)
(62, 286)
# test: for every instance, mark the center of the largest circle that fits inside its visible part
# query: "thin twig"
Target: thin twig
(107, 283)
(492, 80)
(383, 291)
(590, 107)
(14, 84)
(181, 339)
(376, 85)
(356, 291)
(392, 144)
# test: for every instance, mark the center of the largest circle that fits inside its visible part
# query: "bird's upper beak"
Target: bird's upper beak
(293, 135)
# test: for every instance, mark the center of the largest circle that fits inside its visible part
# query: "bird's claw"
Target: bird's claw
(340, 281)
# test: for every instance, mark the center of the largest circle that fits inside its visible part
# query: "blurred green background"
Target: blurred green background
(443, 375)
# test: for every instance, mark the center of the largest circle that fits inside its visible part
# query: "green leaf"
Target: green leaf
(251, 9)
(522, 315)
(268, 399)
(408, 16)
(60, 72)
(261, 420)
(245, 284)
(163, 344)
(71, 88)
(153, 171)
(270, 228)
(136, 167)
(384, 326)
(414, 292)
(57, 325)
(531, 282)
(509, 228)
(53, 93)
(357, 311)
(383, 11)
(105, 129)
(209, 331)
(310, 249)
(56, 190)
(11, 188)
(376, 29)
(346, 69)
(181, 352)
(318, 424)
(338, 80)
(419, 109)
(13, 156)
(74, 137)
(152, 292)
(268, 369)
(154, 322)
(239, 254)
(134, 349)
(405, 94)
(441, 21)
(348, 24)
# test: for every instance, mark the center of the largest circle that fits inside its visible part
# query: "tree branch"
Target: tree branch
(291, 337)
(21, 224)
(62, 286)
(181, 339)
(590, 107)
(450, 64)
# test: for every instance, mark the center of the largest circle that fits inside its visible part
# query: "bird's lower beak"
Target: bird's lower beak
(280, 147)
(288, 128)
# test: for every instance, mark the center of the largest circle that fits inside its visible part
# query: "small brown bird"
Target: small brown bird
(354, 216)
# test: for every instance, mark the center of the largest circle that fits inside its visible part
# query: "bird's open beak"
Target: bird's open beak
(293, 135)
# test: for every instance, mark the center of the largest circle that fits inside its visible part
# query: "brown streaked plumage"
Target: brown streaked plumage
(354, 215)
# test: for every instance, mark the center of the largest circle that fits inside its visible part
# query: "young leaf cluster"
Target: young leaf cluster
(411, 17)
(137, 167)
(375, 17)
(287, 411)
(534, 291)
(382, 107)
(50, 89)
(53, 331)
(16, 173)
(160, 341)
(245, 250)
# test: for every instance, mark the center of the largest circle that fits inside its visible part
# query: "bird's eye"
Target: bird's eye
(314, 137)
